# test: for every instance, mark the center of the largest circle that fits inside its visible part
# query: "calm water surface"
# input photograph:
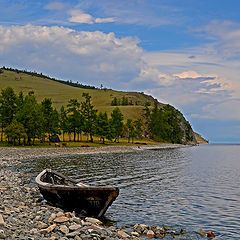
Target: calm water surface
(193, 188)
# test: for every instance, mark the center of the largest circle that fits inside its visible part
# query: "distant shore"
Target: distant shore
(16, 154)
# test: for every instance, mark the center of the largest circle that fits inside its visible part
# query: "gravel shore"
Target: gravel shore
(24, 216)
(15, 155)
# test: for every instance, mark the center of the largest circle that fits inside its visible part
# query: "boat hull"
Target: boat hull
(89, 201)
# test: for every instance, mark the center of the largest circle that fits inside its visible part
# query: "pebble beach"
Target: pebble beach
(23, 214)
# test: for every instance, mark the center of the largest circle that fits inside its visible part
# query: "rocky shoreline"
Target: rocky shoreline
(16, 154)
(24, 216)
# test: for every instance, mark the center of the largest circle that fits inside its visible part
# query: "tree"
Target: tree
(51, 117)
(64, 121)
(131, 130)
(80, 126)
(114, 102)
(147, 119)
(124, 101)
(14, 131)
(102, 127)
(89, 114)
(31, 117)
(20, 100)
(165, 124)
(73, 116)
(8, 107)
(116, 123)
(138, 128)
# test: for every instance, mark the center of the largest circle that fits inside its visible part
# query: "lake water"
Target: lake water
(193, 188)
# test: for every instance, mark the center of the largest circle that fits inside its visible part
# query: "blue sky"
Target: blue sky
(186, 53)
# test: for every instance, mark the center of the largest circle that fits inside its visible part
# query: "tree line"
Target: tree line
(23, 120)
(41, 75)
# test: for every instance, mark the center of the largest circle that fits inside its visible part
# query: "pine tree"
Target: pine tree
(8, 108)
(116, 122)
(31, 117)
(73, 116)
(89, 114)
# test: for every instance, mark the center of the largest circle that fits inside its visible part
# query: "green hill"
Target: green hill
(60, 92)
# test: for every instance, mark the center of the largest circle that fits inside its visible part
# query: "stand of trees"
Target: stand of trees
(166, 124)
(124, 101)
(23, 120)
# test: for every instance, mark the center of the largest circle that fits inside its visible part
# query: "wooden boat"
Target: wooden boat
(66, 193)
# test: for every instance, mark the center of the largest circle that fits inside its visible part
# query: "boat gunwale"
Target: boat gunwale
(46, 185)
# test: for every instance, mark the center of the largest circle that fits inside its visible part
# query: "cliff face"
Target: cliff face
(187, 134)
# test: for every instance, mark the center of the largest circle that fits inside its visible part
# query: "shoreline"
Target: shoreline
(16, 154)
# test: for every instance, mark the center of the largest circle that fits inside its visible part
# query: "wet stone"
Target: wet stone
(150, 234)
(123, 234)
(60, 214)
(42, 225)
(77, 220)
(61, 219)
(64, 229)
(74, 227)
(73, 234)
(93, 220)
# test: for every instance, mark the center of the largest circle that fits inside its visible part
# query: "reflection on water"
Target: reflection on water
(194, 188)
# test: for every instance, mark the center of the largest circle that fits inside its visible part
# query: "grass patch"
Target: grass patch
(61, 93)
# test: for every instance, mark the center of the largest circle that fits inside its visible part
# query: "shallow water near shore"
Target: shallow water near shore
(193, 188)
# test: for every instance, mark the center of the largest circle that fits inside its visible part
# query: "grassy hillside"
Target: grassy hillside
(61, 93)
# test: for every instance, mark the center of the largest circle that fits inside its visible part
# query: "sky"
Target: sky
(185, 53)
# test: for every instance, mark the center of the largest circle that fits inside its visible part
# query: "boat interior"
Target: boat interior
(55, 179)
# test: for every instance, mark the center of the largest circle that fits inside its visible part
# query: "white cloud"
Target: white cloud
(105, 20)
(143, 13)
(153, 76)
(78, 55)
(188, 74)
(78, 16)
(226, 110)
(96, 57)
(226, 36)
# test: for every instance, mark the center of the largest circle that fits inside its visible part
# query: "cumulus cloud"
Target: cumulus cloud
(79, 55)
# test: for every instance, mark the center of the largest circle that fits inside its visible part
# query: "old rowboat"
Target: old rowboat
(66, 193)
